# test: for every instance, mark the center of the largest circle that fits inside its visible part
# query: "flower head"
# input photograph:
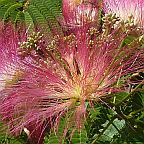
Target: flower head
(125, 9)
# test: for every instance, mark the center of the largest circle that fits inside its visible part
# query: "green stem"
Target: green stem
(130, 93)
(137, 111)
(116, 128)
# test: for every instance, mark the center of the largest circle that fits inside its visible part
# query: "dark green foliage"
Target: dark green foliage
(44, 14)
(11, 10)
(7, 139)
(77, 138)
(122, 123)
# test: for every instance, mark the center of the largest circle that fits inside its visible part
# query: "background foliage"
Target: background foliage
(118, 119)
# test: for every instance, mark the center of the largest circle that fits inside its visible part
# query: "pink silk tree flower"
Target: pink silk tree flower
(126, 9)
(12, 71)
(63, 77)
(9, 66)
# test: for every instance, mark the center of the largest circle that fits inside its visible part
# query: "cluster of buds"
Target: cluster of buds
(33, 43)
(59, 79)
(125, 9)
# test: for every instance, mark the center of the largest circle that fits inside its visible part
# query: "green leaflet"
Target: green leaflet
(44, 15)
(29, 22)
(11, 9)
